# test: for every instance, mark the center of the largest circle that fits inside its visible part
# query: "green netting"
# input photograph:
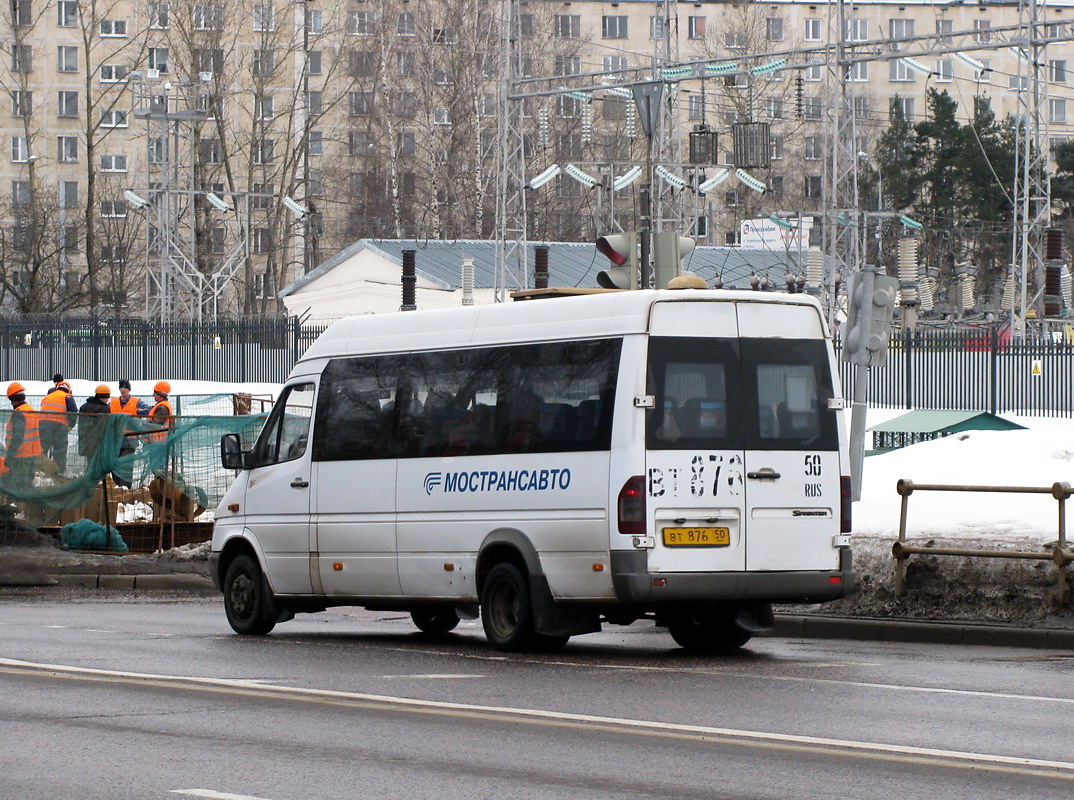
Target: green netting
(119, 458)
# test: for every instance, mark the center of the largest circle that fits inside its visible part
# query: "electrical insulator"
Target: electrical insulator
(928, 290)
(969, 282)
(1053, 287)
(631, 126)
(907, 251)
(587, 124)
(1006, 302)
(542, 127)
(815, 268)
(1065, 277)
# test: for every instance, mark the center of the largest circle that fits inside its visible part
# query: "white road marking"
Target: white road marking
(429, 677)
(1065, 769)
(217, 795)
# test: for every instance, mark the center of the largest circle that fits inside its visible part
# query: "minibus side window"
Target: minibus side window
(356, 409)
(787, 386)
(694, 382)
(286, 433)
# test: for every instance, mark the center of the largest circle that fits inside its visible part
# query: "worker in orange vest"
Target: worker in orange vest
(23, 439)
(58, 410)
(161, 413)
(127, 403)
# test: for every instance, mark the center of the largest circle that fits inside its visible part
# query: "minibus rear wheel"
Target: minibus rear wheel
(435, 620)
(246, 599)
(507, 613)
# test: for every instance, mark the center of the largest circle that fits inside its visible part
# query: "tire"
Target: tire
(246, 598)
(708, 632)
(507, 609)
(435, 620)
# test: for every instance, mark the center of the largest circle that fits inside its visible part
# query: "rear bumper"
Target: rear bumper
(634, 584)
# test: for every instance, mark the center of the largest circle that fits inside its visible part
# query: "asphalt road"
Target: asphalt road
(156, 698)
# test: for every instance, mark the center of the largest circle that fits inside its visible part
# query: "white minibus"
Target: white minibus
(554, 464)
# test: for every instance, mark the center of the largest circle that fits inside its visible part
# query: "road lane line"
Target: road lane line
(782, 741)
(216, 795)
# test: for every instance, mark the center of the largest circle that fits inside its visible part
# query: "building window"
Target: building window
(113, 28)
(113, 208)
(264, 195)
(313, 62)
(404, 64)
(406, 105)
(113, 118)
(263, 106)
(67, 194)
(264, 151)
(361, 23)
(568, 26)
(900, 28)
(614, 27)
(209, 17)
(264, 62)
(1057, 71)
(1057, 110)
(568, 107)
(811, 108)
(67, 104)
(696, 27)
(858, 72)
(316, 143)
(860, 105)
(263, 283)
(903, 106)
(615, 63)
(361, 103)
(314, 21)
(811, 149)
(66, 58)
(157, 149)
(857, 30)
(69, 234)
(21, 193)
(22, 58)
(814, 30)
(407, 142)
(315, 103)
(114, 253)
(20, 149)
(405, 24)
(158, 58)
(773, 29)
(67, 13)
(814, 186)
(900, 71)
(441, 116)
(776, 143)
(813, 72)
(734, 41)
(944, 29)
(209, 151)
(264, 18)
(262, 242)
(67, 149)
(775, 185)
(1018, 83)
(774, 108)
(363, 63)
(984, 74)
(113, 163)
(945, 70)
(657, 28)
(982, 31)
(22, 103)
(158, 15)
(567, 65)
(695, 107)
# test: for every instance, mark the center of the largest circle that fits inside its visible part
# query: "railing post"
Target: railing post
(993, 376)
(908, 367)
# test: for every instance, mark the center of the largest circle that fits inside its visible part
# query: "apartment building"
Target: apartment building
(127, 120)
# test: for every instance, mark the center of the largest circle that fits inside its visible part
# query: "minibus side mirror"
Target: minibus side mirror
(231, 454)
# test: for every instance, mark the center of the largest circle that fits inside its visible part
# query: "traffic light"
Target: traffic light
(622, 250)
(669, 249)
(870, 307)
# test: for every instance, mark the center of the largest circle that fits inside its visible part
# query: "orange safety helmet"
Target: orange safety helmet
(163, 387)
(65, 386)
(15, 388)
(102, 389)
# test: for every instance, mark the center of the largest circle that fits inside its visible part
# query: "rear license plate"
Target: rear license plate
(697, 537)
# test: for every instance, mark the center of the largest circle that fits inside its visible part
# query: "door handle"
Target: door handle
(766, 474)
(300, 483)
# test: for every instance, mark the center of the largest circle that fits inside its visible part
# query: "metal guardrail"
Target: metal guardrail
(1061, 554)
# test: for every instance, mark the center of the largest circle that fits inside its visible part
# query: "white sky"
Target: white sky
(1037, 457)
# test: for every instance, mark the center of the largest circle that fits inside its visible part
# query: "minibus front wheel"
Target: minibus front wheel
(247, 600)
(507, 612)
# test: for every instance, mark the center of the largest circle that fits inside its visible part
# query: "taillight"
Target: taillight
(630, 508)
(844, 504)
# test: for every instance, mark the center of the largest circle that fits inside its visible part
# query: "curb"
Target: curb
(924, 632)
(190, 582)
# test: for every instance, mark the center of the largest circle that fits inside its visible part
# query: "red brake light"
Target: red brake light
(630, 508)
(845, 504)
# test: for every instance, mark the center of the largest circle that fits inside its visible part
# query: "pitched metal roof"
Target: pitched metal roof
(934, 421)
(571, 264)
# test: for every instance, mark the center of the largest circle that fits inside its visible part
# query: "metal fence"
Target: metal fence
(974, 370)
(258, 350)
(981, 369)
